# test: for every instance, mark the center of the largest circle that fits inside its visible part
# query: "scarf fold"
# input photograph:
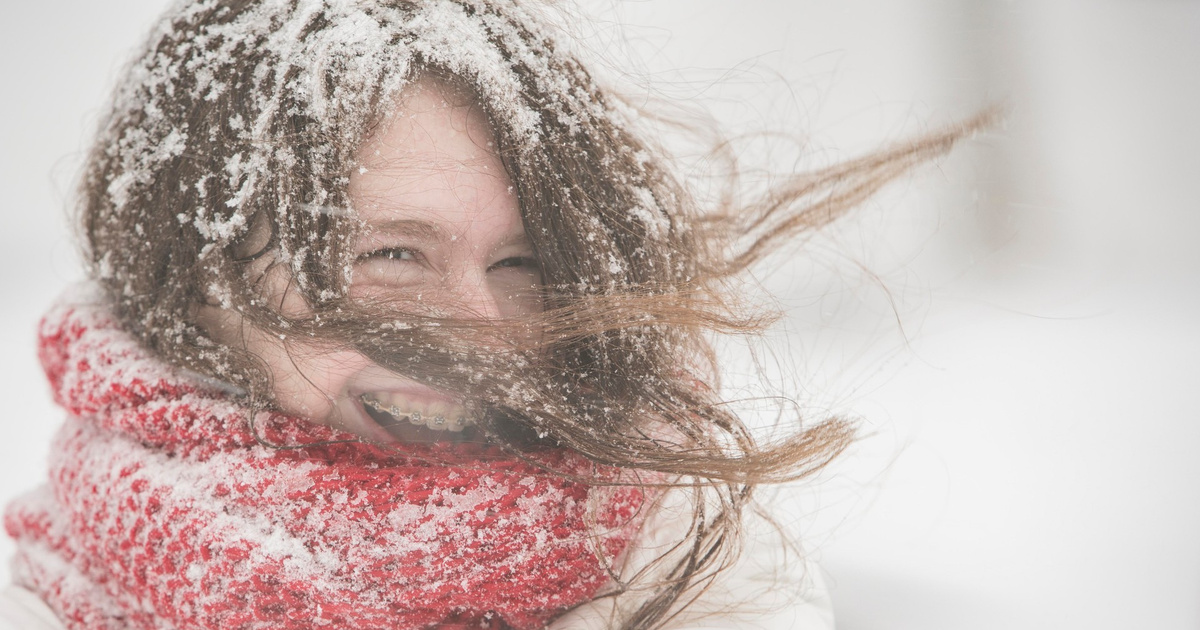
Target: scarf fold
(163, 510)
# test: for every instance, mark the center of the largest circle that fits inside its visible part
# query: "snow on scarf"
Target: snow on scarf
(164, 511)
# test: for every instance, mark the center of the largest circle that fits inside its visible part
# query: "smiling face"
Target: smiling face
(441, 229)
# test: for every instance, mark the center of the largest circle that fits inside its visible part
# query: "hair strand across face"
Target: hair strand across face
(227, 159)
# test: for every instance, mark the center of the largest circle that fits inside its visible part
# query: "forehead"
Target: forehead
(433, 160)
(432, 122)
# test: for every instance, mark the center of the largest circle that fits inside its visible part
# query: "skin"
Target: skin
(441, 227)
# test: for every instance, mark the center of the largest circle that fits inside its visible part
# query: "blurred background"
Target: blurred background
(1016, 327)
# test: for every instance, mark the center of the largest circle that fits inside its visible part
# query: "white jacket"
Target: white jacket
(769, 588)
(22, 610)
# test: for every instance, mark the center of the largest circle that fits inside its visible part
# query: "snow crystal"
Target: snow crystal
(615, 265)
(222, 293)
(368, 50)
(216, 229)
(647, 212)
(104, 268)
(447, 36)
(322, 209)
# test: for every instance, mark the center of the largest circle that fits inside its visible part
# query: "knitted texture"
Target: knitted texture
(164, 511)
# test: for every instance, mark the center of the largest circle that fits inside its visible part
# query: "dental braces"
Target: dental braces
(415, 417)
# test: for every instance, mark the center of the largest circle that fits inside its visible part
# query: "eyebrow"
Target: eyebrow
(412, 228)
(521, 239)
(426, 231)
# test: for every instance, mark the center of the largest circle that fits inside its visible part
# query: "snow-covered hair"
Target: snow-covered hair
(231, 141)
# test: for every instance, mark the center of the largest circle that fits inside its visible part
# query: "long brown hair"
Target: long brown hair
(231, 141)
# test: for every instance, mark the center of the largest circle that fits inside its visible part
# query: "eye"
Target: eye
(527, 262)
(391, 266)
(392, 253)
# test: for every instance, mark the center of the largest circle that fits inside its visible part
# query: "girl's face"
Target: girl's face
(441, 227)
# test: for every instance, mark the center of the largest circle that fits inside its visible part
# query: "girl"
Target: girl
(397, 322)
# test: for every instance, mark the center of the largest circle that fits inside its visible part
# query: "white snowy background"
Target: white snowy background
(1016, 327)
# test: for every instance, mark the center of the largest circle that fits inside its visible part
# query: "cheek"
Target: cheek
(308, 381)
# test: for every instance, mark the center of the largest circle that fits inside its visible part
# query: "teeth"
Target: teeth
(438, 416)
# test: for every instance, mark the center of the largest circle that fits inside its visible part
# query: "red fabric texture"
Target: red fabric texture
(164, 511)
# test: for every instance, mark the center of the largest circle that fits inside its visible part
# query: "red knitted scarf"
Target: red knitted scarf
(164, 511)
